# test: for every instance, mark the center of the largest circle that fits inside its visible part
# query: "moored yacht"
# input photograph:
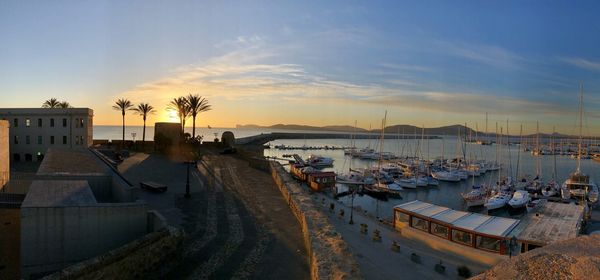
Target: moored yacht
(519, 199)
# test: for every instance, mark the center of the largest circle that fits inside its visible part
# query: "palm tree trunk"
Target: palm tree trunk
(123, 143)
(194, 127)
(144, 135)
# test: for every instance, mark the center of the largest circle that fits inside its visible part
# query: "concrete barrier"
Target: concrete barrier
(329, 255)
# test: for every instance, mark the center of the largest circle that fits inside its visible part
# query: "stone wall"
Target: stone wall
(55, 237)
(10, 237)
(135, 260)
(330, 257)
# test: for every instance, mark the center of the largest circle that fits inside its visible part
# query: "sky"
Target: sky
(427, 63)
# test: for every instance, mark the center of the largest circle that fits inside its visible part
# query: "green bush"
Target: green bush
(464, 271)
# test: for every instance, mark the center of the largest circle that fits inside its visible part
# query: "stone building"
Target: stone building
(33, 130)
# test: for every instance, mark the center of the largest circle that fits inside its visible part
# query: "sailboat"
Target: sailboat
(578, 184)
(552, 188)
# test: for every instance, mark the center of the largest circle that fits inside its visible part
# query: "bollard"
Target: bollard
(395, 246)
(440, 268)
(415, 258)
(364, 228)
(331, 207)
(341, 215)
(376, 236)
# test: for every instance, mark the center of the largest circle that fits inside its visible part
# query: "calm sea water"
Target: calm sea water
(111, 132)
(447, 194)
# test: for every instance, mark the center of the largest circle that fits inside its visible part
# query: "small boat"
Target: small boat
(534, 204)
(498, 200)
(432, 181)
(550, 189)
(519, 199)
(319, 161)
(475, 197)
(407, 183)
(446, 176)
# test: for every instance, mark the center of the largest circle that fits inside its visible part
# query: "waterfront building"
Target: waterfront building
(33, 130)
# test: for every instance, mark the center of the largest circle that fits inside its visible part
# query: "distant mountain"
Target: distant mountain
(450, 130)
(337, 128)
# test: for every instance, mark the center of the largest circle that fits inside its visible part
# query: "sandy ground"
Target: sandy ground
(237, 223)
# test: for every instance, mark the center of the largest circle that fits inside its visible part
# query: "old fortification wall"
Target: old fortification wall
(135, 260)
(330, 257)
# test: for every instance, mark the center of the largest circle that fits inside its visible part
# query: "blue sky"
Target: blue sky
(264, 62)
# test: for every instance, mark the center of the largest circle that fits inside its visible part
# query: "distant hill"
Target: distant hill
(450, 130)
(337, 128)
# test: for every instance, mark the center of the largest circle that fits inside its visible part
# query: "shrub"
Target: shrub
(464, 271)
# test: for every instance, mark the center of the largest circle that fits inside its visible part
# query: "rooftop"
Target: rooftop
(498, 226)
(551, 222)
(61, 161)
(45, 111)
(472, 221)
(54, 193)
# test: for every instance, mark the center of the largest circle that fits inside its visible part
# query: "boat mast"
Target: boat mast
(519, 152)
(538, 168)
(508, 149)
(580, 127)
(553, 154)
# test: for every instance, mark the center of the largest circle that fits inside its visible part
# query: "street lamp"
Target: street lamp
(352, 209)
(187, 184)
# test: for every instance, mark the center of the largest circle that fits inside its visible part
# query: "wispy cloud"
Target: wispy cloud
(487, 54)
(582, 63)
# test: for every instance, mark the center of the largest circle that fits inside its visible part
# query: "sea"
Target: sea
(513, 158)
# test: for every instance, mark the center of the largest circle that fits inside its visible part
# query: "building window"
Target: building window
(77, 140)
(64, 140)
(51, 122)
(52, 140)
(488, 243)
(16, 122)
(27, 122)
(27, 140)
(81, 122)
(462, 237)
(28, 157)
(39, 139)
(16, 141)
(402, 217)
(64, 122)
(39, 122)
(16, 157)
(439, 230)
(420, 224)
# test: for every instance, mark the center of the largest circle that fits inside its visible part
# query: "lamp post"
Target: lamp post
(352, 209)
(187, 184)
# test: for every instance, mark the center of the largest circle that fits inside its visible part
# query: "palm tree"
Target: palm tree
(197, 104)
(180, 106)
(143, 109)
(64, 104)
(51, 103)
(123, 105)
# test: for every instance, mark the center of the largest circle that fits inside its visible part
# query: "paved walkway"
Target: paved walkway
(378, 261)
(238, 226)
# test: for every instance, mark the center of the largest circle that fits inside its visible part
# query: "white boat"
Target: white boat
(550, 189)
(446, 176)
(579, 185)
(407, 183)
(475, 197)
(319, 161)
(519, 199)
(432, 181)
(498, 200)
(391, 187)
